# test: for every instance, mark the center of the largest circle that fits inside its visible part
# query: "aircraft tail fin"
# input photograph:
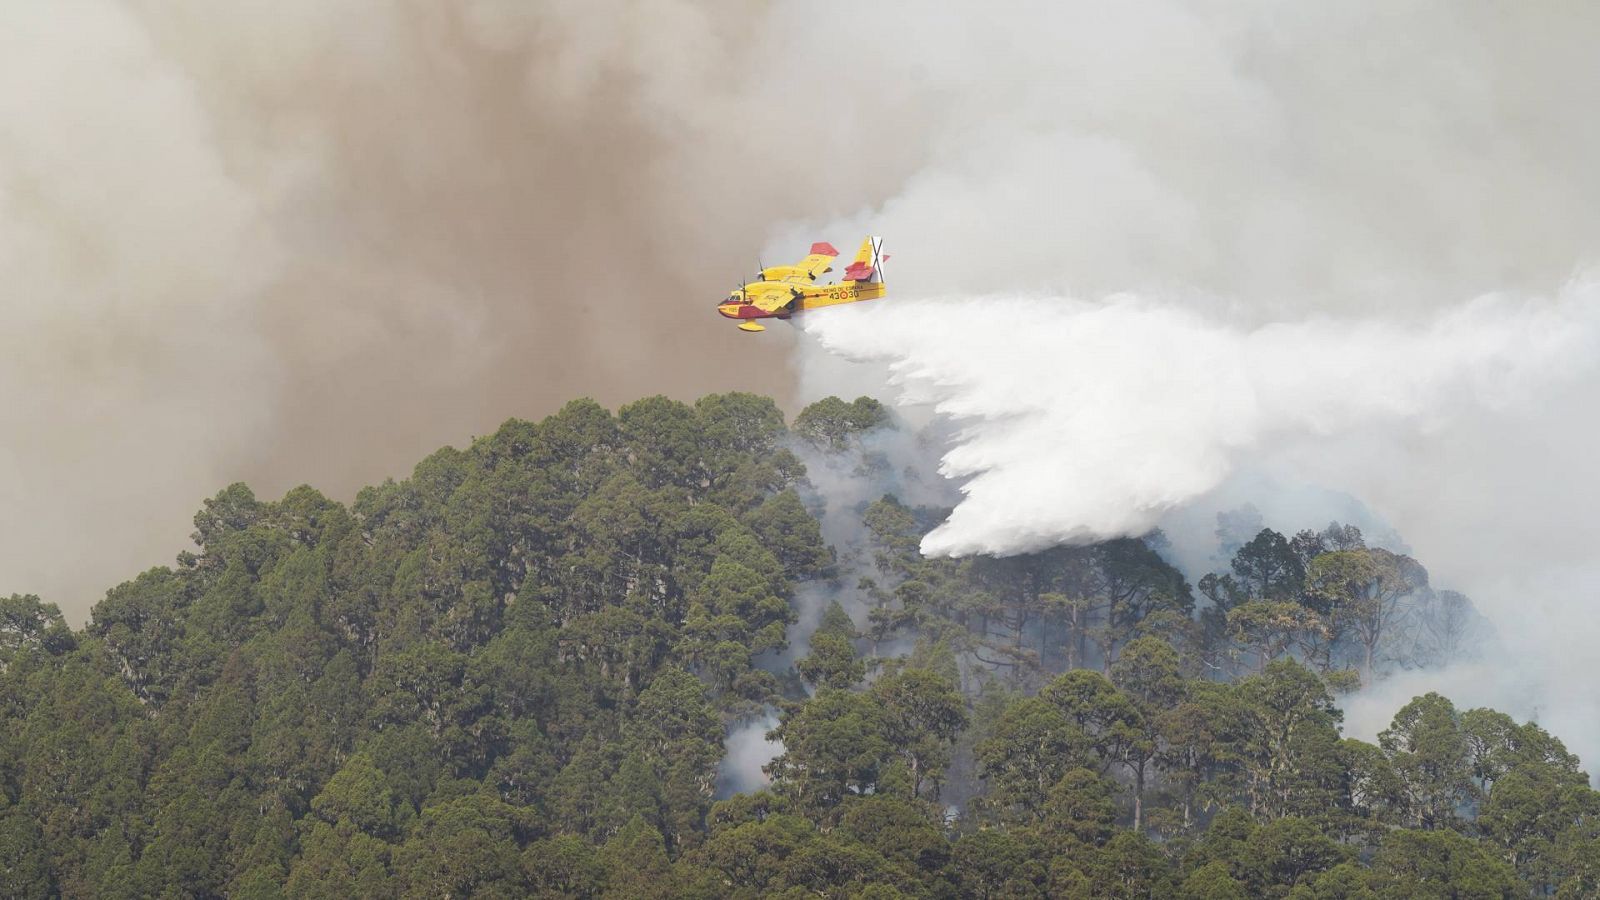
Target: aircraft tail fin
(868, 264)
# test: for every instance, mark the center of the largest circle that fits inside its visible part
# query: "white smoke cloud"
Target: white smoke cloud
(746, 750)
(1464, 427)
(312, 242)
(1314, 196)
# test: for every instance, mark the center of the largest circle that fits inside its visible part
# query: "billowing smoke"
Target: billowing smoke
(1360, 235)
(1111, 419)
(313, 242)
(897, 458)
(746, 750)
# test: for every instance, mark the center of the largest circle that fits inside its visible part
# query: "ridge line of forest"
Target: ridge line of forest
(514, 673)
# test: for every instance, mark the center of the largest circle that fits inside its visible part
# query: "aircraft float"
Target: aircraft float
(781, 291)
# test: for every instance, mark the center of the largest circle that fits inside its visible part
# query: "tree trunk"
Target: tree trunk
(1075, 640)
(1138, 798)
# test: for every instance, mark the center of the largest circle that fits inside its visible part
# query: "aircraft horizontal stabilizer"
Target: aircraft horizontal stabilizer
(858, 271)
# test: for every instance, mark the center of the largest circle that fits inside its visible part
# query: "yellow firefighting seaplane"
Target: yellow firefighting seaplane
(781, 291)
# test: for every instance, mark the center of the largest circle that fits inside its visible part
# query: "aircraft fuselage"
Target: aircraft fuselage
(803, 297)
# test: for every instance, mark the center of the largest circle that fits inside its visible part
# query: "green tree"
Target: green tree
(831, 423)
(992, 864)
(680, 734)
(1363, 590)
(836, 744)
(564, 866)
(735, 615)
(360, 795)
(1212, 882)
(1346, 881)
(1287, 852)
(1542, 819)
(903, 831)
(463, 846)
(1268, 628)
(792, 534)
(1429, 755)
(635, 863)
(1129, 866)
(1203, 747)
(1147, 672)
(1374, 792)
(1268, 568)
(922, 714)
(1032, 745)
(510, 674)
(26, 622)
(832, 662)
(1290, 755)
(1435, 865)
(24, 857)
(340, 861)
(1081, 808)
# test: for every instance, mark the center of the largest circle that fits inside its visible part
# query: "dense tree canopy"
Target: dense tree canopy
(514, 673)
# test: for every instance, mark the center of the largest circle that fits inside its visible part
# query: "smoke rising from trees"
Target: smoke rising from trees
(1361, 239)
(1104, 420)
(313, 243)
(316, 241)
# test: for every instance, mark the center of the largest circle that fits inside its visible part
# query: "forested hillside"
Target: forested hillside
(514, 674)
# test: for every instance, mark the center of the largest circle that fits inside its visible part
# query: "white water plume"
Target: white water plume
(1084, 421)
(1355, 173)
(1470, 429)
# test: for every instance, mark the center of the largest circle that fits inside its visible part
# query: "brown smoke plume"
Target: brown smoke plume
(312, 242)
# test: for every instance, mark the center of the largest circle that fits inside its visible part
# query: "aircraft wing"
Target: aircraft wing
(770, 299)
(821, 256)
